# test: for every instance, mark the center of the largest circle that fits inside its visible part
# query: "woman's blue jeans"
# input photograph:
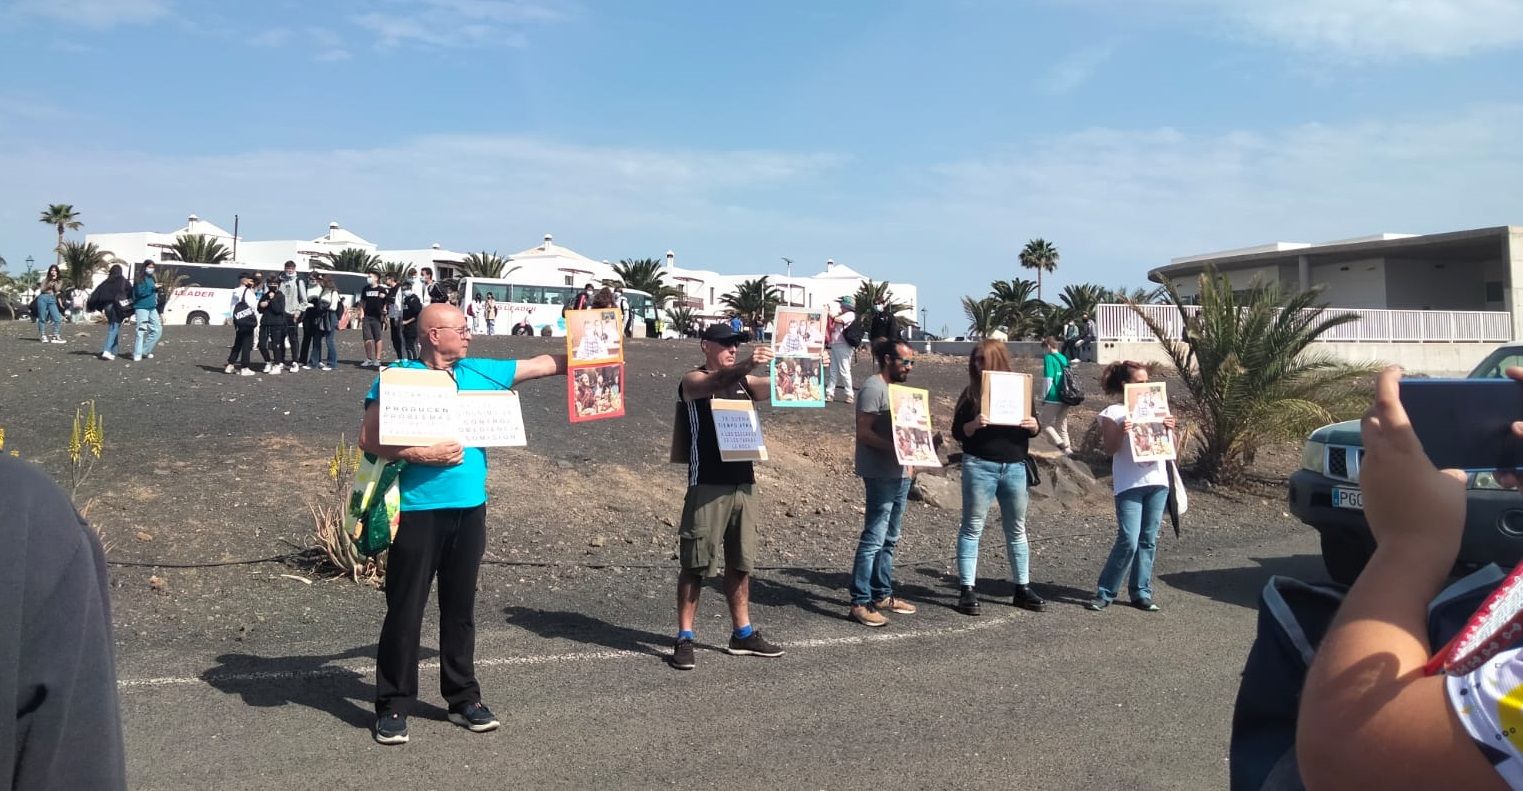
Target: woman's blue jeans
(113, 334)
(47, 311)
(1139, 513)
(983, 482)
(872, 575)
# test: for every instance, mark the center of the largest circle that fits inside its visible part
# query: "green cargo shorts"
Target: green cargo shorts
(715, 516)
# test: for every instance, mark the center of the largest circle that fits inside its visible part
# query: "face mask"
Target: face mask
(149, 270)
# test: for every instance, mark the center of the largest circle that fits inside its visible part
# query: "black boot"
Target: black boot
(967, 602)
(1026, 598)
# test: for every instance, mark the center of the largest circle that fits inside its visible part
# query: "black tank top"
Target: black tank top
(704, 465)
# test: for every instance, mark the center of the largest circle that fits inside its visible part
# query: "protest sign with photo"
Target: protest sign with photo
(738, 429)
(594, 336)
(421, 407)
(1147, 404)
(596, 392)
(910, 421)
(798, 348)
(1006, 398)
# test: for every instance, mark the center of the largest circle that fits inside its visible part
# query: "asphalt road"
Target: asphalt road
(1057, 700)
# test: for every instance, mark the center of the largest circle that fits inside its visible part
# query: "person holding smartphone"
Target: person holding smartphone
(1370, 717)
(272, 326)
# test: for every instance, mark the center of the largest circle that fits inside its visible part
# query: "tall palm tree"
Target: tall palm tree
(1251, 372)
(1080, 299)
(484, 264)
(353, 259)
(1041, 255)
(754, 300)
(200, 249)
(871, 294)
(645, 274)
(81, 260)
(62, 217)
(984, 315)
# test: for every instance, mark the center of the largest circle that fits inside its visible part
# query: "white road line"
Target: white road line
(368, 669)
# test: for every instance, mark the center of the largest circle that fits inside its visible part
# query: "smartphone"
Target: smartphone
(1466, 424)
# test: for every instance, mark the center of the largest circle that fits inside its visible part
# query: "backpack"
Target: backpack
(1068, 389)
(375, 504)
(852, 334)
(99, 298)
(244, 317)
(1293, 618)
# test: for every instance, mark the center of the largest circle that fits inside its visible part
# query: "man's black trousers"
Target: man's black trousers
(449, 542)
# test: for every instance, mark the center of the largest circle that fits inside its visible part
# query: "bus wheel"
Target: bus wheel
(198, 319)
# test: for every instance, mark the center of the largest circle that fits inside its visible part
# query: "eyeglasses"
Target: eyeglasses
(908, 362)
(463, 331)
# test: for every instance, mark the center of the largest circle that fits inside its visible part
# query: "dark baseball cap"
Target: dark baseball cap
(721, 333)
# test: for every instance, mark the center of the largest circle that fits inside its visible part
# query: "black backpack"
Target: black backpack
(99, 298)
(852, 334)
(244, 317)
(1068, 389)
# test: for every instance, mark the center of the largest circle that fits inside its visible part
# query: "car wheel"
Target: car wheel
(1345, 553)
(198, 319)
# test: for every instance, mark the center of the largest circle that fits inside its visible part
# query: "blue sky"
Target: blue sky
(919, 141)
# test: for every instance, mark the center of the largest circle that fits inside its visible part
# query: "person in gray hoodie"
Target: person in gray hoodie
(294, 288)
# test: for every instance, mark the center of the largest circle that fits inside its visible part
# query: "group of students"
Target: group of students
(116, 298)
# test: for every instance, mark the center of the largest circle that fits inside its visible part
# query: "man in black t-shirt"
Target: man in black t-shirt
(721, 506)
(373, 302)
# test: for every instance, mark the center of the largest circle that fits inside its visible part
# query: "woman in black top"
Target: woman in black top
(115, 288)
(993, 467)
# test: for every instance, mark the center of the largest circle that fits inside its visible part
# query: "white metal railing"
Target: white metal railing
(1121, 323)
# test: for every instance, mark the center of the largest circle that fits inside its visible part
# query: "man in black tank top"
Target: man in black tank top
(720, 510)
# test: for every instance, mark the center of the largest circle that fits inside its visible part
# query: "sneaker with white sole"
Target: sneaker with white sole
(247, 372)
(230, 369)
(867, 615)
(276, 370)
(107, 356)
(752, 645)
(391, 729)
(474, 717)
(895, 604)
(137, 358)
(149, 355)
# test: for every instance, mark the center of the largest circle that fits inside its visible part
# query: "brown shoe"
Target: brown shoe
(867, 615)
(896, 604)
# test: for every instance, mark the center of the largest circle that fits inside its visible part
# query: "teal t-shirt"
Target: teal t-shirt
(464, 485)
(1052, 369)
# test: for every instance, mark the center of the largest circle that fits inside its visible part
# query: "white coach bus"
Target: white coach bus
(204, 292)
(541, 306)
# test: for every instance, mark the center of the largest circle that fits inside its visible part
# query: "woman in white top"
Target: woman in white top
(1142, 492)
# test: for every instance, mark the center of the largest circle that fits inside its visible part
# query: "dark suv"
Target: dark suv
(1325, 494)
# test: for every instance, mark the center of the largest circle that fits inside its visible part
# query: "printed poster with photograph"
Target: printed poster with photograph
(1006, 398)
(421, 407)
(909, 411)
(798, 348)
(738, 429)
(596, 392)
(595, 358)
(594, 336)
(1147, 404)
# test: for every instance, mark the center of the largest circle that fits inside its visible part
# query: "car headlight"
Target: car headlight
(1314, 457)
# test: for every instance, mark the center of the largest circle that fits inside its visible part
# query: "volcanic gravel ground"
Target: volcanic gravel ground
(200, 467)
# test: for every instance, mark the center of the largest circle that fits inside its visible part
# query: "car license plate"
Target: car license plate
(1348, 498)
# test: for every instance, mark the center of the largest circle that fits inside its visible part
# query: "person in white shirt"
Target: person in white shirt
(1142, 493)
(591, 347)
(841, 352)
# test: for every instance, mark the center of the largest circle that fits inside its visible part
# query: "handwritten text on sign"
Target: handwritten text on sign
(738, 430)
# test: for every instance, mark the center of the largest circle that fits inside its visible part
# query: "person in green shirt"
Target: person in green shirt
(1054, 413)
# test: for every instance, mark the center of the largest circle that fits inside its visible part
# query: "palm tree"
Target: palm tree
(1247, 366)
(353, 259)
(645, 274)
(753, 300)
(1015, 305)
(1080, 299)
(682, 319)
(1142, 295)
(200, 249)
(81, 260)
(1041, 255)
(984, 315)
(870, 294)
(484, 264)
(396, 269)
(62, 217)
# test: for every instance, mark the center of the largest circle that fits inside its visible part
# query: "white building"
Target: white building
(139, 246)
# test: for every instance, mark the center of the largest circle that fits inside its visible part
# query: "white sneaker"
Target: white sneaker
(276, 370)
(246, 372)
(229, 369)
(306, 368)
(324, 367)
(107, 356)
(295, 368)
(266, 368)
(148, 355)
(137, 358)
(59, 339)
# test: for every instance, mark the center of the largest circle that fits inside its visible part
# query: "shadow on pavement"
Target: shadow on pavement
(270, 681)
(1003, 588)
(837, 602)
(584, 628)
(1241, 586)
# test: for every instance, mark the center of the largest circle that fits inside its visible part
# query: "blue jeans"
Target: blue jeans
(47, 311)
(148, 331)
(982, 482)
(1139, 513)
(113, 334)
(331, 339)
(872, 575)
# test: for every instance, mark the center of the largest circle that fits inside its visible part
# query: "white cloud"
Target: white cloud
(94, 13)
(1075, 69)
(1380, 29)
(324, 45)
(452, 23)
